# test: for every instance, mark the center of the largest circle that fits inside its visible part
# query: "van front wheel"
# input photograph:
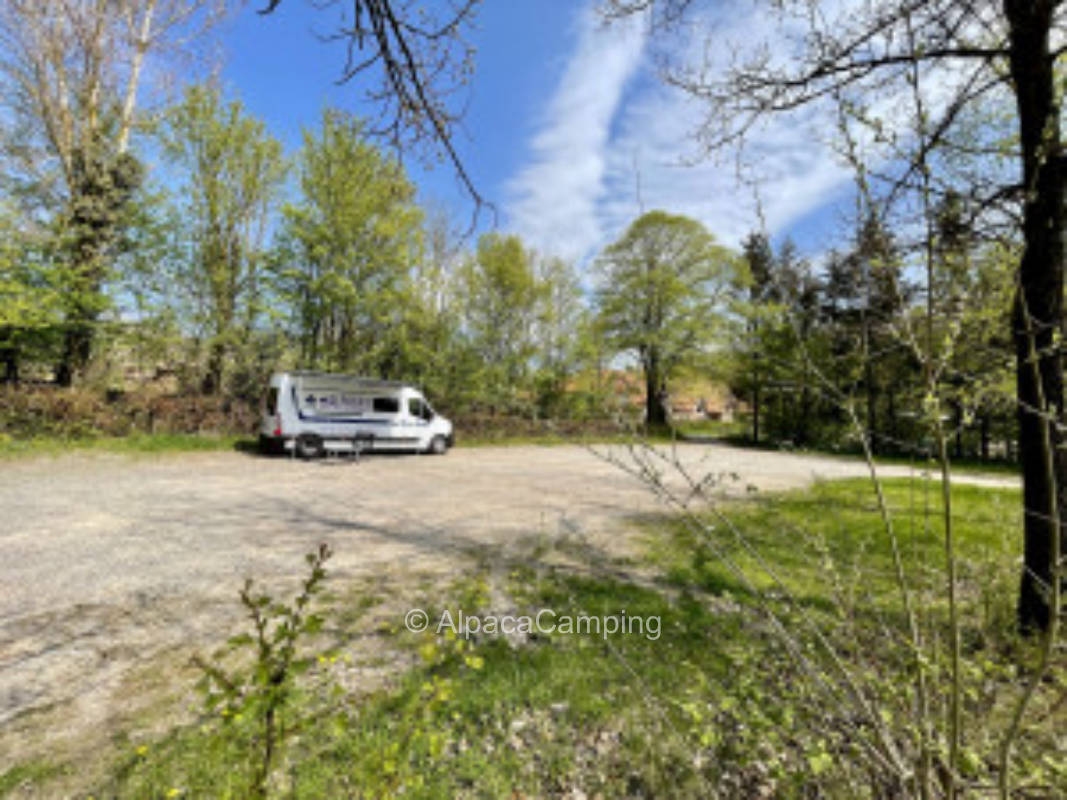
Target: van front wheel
(309, 446)
(438, 446)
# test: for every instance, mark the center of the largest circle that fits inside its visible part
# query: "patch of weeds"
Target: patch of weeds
(823, 564)
(23, 777)
(251, 710)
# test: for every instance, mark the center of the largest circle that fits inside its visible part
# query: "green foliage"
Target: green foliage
(31, 304)
(349, 247)
(501, 296)
(659, 297)
(234, 170)
(830, 358)
(566, 339)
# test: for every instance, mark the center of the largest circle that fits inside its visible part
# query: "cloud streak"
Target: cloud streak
(616, 141)
(553, 200)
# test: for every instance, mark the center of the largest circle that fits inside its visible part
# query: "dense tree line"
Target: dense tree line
(245, 260)
(237, 260)
(828, 355)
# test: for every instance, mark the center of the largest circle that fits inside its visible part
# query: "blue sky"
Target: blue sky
(565, 120)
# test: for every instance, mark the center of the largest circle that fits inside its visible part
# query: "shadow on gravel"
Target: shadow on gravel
(249, 447)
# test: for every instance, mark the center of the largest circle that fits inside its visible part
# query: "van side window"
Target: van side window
(387, 405)
(272, 400)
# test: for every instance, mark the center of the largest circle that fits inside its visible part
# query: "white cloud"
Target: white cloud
(784, 166)
(553, 199)
(612, 126)
(616, 140)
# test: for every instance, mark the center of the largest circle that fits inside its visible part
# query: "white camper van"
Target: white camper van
(312, 412)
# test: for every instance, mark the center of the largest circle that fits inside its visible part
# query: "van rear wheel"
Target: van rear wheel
(309, 446)
(438, 446)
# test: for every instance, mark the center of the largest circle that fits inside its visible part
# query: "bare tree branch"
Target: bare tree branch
(423, 62)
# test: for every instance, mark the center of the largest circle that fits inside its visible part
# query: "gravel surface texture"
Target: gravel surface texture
(112, 565)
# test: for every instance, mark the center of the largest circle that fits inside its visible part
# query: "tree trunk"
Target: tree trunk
(755, 412)
(77, 348)
(655, 405)
(957, 410)
(9, 357)
(1038, 307)
(213, 379)
(803, 434)
(891, 421)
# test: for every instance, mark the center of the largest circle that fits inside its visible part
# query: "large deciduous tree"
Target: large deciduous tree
(71, 72)
(233, 171)
(349, 248)
(501, 298)
(563, 327)
(659, 292)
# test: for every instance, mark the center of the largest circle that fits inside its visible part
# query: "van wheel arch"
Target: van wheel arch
(438, 445)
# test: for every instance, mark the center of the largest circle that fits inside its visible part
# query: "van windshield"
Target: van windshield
(420, 408)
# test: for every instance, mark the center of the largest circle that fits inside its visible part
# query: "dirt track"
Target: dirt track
(113, 565)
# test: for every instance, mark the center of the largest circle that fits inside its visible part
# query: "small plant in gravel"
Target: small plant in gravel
(255, 698)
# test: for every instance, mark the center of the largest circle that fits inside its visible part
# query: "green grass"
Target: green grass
(159, 443)
(714, 704)
(968, 465)
(920, 463)
(29, 774)
(828, 548)
(476, 718)
(138, 443)
(712, 427)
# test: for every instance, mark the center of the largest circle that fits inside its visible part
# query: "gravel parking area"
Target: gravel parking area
(113, 564)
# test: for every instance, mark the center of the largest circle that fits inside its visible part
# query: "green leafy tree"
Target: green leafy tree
(348, 252)
(233, 172)
(30, 303)
(970, 352)
(660, 297)
(563, 333)
(759, 313)
(434, 355)
(501, 297)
